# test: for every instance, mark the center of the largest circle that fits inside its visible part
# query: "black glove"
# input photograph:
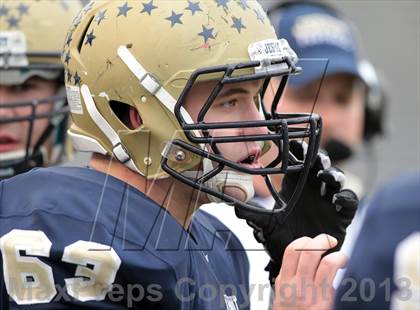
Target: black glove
(323, 207)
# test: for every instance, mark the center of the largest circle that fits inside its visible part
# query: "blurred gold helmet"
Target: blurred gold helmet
(148, 55)
(31, 40)
(32, 36)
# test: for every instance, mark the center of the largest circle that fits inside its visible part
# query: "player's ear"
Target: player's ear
(127, 114)
(135, 119)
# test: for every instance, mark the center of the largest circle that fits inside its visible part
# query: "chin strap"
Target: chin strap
(228, 179)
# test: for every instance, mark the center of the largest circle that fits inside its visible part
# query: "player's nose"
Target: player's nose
(253, 114)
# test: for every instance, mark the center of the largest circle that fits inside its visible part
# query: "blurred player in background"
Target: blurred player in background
(33, 107)
(337, 82)
(384, 268)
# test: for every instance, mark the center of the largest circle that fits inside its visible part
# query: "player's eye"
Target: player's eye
(23, 87)
(306, 96)
(229, 104)
(342, 97)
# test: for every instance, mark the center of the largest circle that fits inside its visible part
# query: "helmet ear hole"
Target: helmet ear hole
(126, 114)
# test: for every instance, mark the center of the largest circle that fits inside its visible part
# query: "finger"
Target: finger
(332, 177)
(323, 161)
(312, 253)
(291, 258)
(328, 268)
(346, 199)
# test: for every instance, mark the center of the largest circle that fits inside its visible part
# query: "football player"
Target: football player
(167, 96)
(32, 97)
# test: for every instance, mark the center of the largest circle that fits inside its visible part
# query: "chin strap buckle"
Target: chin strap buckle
(121, 153)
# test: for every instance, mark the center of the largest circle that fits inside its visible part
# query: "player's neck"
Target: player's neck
(175, 197)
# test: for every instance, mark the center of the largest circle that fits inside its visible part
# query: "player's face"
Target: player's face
(14, 135)
(340, 103)
(235, 103)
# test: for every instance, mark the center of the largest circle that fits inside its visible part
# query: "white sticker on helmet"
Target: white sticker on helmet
(73, 98)
(13, 49)
(271, 49)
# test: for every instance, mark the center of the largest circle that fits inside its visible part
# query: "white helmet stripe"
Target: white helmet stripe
(150, 83)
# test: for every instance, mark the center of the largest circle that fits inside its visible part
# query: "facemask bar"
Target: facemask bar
(281, 126)
(228, 79)
(58, 116)
(198, 184)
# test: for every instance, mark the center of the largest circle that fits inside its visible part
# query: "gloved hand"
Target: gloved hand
(323, 207)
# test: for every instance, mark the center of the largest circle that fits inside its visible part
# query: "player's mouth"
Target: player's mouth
(251, 159)
(8, 143)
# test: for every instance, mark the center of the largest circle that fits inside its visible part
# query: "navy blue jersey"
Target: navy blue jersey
(75, 238)
(383, 271)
